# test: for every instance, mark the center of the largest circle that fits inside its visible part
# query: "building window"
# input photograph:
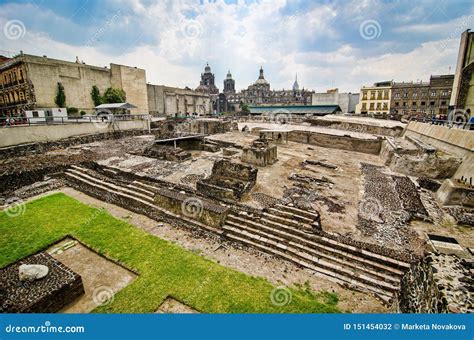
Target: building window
(397, 95)
(385, 106)
(423, 103)
(404, 103)
(413, 104)
(405, 95)
(397, 103)
(444, 93)
(432, 103)
(364, 95)
(379, 106)
(371, 106)
(443, 102)
(372, 95)
(385, 94)
(433, 93)
(415, 95)
(379, 95)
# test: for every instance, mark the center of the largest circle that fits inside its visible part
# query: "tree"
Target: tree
(95, 94)
(244, 107)
(113, 95)
(60, 99)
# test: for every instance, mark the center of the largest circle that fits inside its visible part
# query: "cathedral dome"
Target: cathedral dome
(207, 69)
(261, 79)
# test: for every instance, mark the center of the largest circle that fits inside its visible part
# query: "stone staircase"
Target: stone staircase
(283, 231)
(287, 233)
(128, 195)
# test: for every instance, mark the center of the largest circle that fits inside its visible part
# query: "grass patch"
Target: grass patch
(164, 268)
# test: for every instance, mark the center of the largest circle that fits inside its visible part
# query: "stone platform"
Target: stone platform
(47, 295)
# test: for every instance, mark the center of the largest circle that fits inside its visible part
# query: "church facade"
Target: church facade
(260, 93)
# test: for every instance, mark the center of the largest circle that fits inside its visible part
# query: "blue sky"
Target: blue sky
(342, 44)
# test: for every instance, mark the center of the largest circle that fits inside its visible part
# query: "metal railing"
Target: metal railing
(445, 122)
(60, 120)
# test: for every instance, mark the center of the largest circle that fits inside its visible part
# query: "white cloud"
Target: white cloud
(241, 37)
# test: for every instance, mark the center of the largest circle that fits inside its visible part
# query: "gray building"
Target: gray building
(346, 101)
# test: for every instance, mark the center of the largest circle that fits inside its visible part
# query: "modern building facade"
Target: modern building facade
(423, 99)
(462, 97)
(28, 82)
(174, 101)
(346, 101)
(375, 100)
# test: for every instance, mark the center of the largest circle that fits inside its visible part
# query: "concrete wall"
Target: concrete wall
(370, 146)
(454, 141)
(43, 133)
(77, 80)
(172, 100)
(133, 81)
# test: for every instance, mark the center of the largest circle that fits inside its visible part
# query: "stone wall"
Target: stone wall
(193, 207)
(358, 127)
(25, 149)
(50, 133)
(78, 79)
(437, 284)
(172, 101)
(57, 289)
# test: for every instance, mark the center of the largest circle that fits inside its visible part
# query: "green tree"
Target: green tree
(244, 107)
(113, 95)
(95, 94)
(60, 99)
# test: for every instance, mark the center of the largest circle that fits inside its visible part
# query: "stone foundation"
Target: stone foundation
(260, 153)
(60, 287)
(228, 181)
(437, 284)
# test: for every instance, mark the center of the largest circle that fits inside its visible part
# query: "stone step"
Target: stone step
(343, 280)
(298, 212)
(111, 185)
(289, 215)
(319, 253)
(138, 188)
(283, 220)
(187, 221)
(318, 242)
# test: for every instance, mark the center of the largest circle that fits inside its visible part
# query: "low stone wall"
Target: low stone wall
(191, 206)
(437, 284)
(42, 146)
(346, 142)
(11, 182)
(260, 156)
(358, 127)
(453, 193)
(50, 133)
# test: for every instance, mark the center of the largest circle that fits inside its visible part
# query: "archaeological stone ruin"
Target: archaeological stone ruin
(351, 203)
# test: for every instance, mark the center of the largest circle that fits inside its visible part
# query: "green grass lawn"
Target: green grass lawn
(164, 268)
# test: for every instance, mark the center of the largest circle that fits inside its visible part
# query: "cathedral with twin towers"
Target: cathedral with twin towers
(257, 94)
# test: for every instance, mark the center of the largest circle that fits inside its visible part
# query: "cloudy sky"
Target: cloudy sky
(328, 44)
